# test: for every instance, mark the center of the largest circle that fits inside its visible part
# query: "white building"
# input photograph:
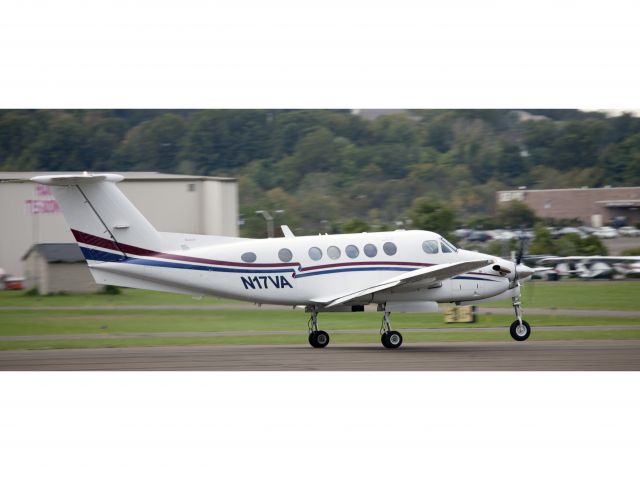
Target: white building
(56, 268)
(173, 203)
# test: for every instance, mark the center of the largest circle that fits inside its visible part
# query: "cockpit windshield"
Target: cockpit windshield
(446, 246)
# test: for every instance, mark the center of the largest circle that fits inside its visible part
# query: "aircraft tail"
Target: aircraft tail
(100, 215)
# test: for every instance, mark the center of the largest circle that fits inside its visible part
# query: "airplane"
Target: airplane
(400, 271)
(595, 266)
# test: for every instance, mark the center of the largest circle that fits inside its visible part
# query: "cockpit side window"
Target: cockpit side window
(449, 246)
(430, 246)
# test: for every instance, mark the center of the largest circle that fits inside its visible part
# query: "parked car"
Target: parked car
(479, 236)
(606, 232)
(568, 230)
(629, 232)
(503, 235)
(463, 233)
(587, 230)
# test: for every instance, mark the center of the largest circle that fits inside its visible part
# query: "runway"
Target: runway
(462, 356)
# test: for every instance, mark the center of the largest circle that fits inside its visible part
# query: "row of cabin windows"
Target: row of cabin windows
(351, 251)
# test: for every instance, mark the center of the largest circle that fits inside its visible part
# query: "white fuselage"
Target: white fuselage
(190, 265)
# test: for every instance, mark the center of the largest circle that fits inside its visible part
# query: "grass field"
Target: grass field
(128, 296)
(582, 295)
(599, 295)
(15, 321)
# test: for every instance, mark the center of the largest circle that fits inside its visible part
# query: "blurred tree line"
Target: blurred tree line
(330, 170)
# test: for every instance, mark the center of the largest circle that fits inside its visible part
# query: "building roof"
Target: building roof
(57, 252)
(139, 176)
(581, 189)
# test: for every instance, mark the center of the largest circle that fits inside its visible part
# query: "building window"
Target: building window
(390, 248)
(333, 252)
(352, 251)
(430, 246)
(315, 253)
(285, 255)
(248, 257)
(370, 250)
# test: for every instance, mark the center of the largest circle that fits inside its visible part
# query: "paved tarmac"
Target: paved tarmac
(300, 333)
(464, 356)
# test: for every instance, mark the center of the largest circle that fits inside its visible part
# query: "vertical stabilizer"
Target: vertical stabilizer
(99, 214)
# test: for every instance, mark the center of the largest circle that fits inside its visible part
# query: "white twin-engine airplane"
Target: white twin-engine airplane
(401, 271)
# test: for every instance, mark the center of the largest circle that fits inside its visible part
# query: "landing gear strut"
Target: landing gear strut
(317, 338)
(389, 338)
(520, 330)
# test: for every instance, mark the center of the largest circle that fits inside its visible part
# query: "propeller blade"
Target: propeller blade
(520, 253)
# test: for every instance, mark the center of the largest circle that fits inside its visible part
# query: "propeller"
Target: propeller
(518, 260)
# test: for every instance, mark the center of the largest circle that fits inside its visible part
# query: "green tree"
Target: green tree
(517, 214)
(428, 214)
(543, 242)
(592, 245)
(355, 225)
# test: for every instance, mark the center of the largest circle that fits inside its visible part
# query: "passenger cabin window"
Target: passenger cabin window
(248, 257)
(370, 250)
(430, 246)
(352, 251)
(285, 255)
(390, 248)
(333, 252)
(315, 253)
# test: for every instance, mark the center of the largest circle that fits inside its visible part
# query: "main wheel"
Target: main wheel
(520, 332)
(391, 339)
(319, 339)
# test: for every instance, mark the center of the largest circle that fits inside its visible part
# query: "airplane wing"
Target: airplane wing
(426, 276)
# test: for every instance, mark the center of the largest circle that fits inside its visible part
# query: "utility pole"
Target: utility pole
(269, 218)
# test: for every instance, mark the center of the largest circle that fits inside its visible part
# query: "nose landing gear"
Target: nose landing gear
(520, 330)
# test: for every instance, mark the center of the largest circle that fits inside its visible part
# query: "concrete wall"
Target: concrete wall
(69, 278)
(35, 272)
(220, 208)
(29, 215)
(57, 277)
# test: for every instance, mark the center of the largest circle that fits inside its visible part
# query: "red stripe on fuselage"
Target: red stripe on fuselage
(89, 239)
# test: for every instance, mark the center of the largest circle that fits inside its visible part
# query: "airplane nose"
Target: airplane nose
(524, 271)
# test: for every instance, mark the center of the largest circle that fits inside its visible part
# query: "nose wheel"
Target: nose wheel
(389, 338)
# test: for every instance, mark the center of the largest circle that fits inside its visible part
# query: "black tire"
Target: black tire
(517, 334)
(385, 340)
(319, 339)
(394, 339)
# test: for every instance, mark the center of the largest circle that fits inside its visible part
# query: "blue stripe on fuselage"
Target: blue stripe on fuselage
(102, 256)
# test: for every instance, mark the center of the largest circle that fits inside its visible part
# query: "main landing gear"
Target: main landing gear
(389, 338)
(317, 338)
(520, 330)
